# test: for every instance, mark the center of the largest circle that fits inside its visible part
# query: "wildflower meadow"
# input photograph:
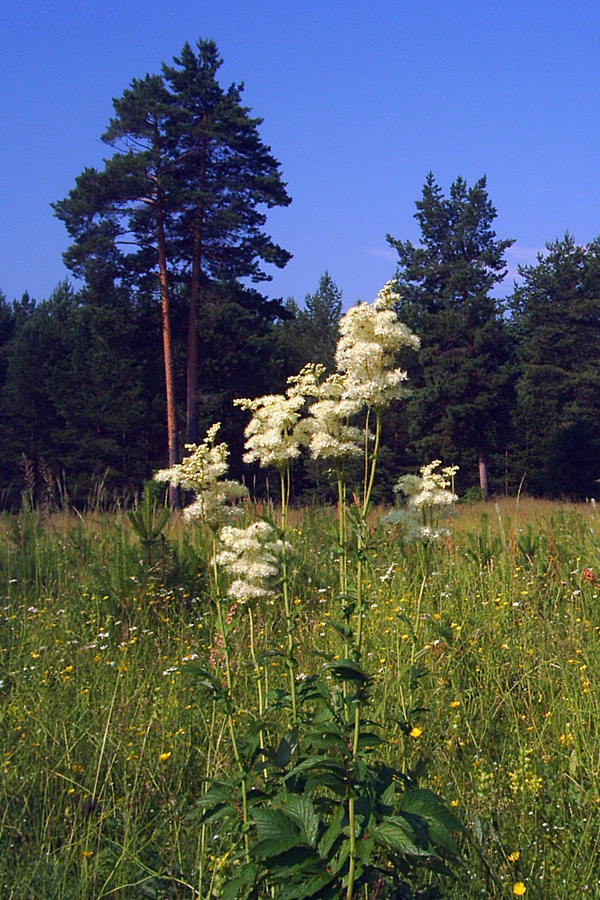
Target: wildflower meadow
(270, 701)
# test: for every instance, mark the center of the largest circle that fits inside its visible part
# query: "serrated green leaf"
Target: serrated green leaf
(238, 887)
(327, 779)
(332, 833)
(364, 849)
(311, 887)
(272, 847)
(283, 754)
(368, 739)
(388, 796)
(303, 813)
(274, 824)
(425, 803)
(341, 858)
(397, 834)
(293, 865)
(314, 762)
(217, 811)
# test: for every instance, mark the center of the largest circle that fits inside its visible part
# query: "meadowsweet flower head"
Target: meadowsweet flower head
(428, 498)
(370, 335)
(271, 436)
(201, 472)
(326, 430)
(251, 555)
(307, 383)
(432, 487)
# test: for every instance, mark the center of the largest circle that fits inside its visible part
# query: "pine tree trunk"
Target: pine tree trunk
(192, 337)
(165, 312)
(192, 344)
(483, 476)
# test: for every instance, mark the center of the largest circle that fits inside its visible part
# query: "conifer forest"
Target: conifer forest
(163, 323)
(262, 634)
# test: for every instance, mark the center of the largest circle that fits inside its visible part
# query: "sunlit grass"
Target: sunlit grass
(485, 653)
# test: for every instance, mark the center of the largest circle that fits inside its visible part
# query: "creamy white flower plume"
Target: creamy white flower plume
(271, 433)
(200, 472)
(370, 335)
(252, 556)
(428, 497)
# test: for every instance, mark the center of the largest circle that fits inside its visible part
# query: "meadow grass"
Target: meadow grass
(485, 653)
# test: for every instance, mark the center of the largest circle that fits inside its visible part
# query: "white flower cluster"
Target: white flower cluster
(271, 433)
(370, 335)
(427, 499)
(326, 430)
(200, 472)
(251, 555)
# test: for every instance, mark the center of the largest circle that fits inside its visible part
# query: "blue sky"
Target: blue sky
(360, 100)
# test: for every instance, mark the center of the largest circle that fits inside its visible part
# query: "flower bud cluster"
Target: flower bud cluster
(251, 555)
(201, 472)
(370, 336)
(428, 497)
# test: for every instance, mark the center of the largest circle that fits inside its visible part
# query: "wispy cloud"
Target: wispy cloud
(517, 255)
(383, 253)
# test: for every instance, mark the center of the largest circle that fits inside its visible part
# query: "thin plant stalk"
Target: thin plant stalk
(369, 480)
(289, 618)
(228, 705)
(257, 674)
(343, 558)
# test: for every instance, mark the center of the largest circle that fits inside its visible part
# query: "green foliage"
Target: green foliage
(556, 319)
(149, 523)
(74, 404)
(300, 831)
(484, 682)
(311, 336)
(184, 191)
(461, 379)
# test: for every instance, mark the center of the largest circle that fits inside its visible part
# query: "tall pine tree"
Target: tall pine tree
(179, 207)
(460, 379)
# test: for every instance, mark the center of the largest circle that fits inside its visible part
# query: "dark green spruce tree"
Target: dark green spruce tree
(73, 403)
(461, 377)
(178, 210)
(556, 324)
(309, 334)
(320, 319)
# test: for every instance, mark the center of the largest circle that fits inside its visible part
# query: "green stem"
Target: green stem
(369, 480)
(257, 675)
(289, 618)
(341, 486)
(370, 474)
(352, 863)
(229, 702)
